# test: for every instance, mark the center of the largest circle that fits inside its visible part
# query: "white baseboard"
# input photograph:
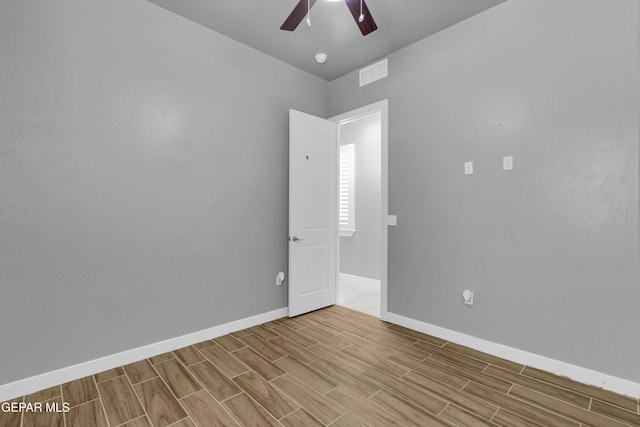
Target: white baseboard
(366, 280)
(577, 373)
(61, 376)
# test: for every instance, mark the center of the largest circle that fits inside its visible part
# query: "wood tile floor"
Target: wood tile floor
(334, 367)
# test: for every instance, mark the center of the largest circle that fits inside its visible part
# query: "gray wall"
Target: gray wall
(550, 248)
(360, 253)
(143, 179)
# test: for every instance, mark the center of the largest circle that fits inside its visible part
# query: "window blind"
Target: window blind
(346, 213)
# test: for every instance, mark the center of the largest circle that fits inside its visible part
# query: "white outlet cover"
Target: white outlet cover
(468, 168)
(467, 295)
(507, 163)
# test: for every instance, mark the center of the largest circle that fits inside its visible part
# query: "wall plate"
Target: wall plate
(468, 168)
(507, 163)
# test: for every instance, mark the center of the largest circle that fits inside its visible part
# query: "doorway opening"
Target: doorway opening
(362, 204)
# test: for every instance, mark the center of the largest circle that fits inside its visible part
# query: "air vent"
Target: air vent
(374, 72)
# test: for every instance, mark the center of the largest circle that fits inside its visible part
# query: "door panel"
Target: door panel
(312, 213)
(314, 265)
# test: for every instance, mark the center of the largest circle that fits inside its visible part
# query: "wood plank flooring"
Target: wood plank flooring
(333, 367)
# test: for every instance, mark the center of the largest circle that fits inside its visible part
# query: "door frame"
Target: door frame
(383, 108)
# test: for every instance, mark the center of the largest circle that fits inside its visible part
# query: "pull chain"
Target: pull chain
(361, 17)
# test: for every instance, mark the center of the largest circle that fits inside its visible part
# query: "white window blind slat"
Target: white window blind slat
(346, 208)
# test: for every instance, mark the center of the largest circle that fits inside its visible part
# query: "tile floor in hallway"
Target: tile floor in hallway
(360, 294)
(333, 367)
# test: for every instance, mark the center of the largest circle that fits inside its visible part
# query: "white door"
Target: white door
(313, 213)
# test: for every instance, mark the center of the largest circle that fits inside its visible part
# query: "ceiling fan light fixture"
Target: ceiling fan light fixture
(321, 58)
(358, 8)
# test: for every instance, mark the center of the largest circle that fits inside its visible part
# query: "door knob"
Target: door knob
(297, 239)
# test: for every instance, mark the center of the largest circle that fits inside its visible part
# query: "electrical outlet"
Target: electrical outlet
(468, 168)
(507, 163)
(467, 295)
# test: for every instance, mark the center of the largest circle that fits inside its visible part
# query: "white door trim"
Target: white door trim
(383, 108)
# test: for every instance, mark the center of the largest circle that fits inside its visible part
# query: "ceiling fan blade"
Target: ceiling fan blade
(368, 25)
(297, 15)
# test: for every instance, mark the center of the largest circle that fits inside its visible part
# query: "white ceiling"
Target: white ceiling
(256, 23)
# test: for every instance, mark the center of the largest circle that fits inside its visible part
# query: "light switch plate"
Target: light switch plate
(392, 220)
(468, 168)
(507, 163)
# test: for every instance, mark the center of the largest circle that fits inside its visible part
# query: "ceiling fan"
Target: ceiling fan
(358, 9)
